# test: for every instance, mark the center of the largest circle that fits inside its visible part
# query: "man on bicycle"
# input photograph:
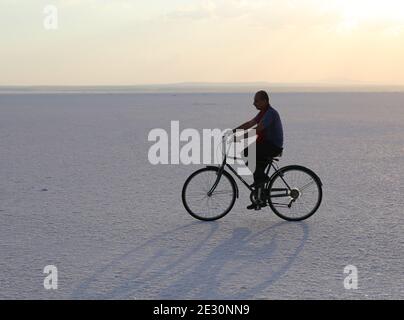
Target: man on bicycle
(269, 141)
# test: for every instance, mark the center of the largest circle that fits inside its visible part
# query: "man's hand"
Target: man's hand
(243, 128)
(246, 126)
(243, 135)
(239, 136)
(228, 134)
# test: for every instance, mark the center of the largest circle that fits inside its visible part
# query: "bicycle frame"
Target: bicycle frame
(225, 164)
(262, 195)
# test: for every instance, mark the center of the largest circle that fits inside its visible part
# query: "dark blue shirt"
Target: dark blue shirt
(273, 130)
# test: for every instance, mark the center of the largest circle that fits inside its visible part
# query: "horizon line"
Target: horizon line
(203, 87)
(206, 83)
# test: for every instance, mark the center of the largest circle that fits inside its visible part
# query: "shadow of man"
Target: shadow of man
(227, 266)
(174, 264)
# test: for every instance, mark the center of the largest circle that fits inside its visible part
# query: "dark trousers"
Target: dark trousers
(264, 150)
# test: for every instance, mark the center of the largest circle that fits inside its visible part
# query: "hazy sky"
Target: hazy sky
(122, 42)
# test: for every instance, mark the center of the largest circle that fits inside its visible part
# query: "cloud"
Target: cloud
(209, 9)
(273, 14)
(333, 15)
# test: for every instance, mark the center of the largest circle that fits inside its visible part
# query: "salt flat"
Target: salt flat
(77, 191)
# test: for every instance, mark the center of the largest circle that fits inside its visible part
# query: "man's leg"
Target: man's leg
(261, 163)
(265, 152)
(259, 172)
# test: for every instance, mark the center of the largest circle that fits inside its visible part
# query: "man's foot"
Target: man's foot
(263, 204)
(252, 206)
(256, 206)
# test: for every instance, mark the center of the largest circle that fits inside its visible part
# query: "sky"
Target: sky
(131, 42)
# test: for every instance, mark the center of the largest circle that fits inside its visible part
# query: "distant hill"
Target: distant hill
(207, 87)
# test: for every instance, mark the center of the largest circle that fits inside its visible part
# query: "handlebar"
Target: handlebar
(225, 150)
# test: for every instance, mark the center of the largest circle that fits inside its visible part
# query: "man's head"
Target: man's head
(261, 100)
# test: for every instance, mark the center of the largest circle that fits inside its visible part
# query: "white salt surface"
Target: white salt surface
(77, 191)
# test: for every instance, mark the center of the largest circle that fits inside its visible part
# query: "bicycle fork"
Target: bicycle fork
(219, 176)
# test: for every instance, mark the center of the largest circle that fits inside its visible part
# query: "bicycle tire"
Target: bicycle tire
(194, 214)
(307, 171)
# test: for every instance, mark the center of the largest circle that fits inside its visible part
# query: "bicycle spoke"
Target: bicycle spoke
(200, 203)
(307, 185)
(197, 194)
(222, 192)
(306, 201)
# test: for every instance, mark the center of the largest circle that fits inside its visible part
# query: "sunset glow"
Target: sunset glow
(136, 42)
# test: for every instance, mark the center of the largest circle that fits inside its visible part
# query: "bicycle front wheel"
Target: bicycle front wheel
(197, 201)
(295, 193)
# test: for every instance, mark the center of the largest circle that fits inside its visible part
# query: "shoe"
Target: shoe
(257, 206)
(263, 204)
(252, 206)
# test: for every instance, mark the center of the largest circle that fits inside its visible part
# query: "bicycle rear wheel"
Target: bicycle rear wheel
(295, 193)
(197, 201)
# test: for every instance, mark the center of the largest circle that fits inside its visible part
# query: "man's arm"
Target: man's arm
(260, 126)
(245, 126)
(265, 122)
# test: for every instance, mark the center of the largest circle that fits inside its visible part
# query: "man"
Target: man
(269, 141)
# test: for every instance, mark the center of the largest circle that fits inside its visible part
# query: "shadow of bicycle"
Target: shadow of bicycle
(200, 261)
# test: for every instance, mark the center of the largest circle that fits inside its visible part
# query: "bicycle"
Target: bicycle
(217, 190)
